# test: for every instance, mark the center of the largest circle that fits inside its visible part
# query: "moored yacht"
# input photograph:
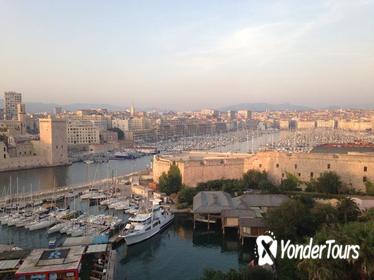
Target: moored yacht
(146, 225)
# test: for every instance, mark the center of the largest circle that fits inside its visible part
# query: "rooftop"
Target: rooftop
(259, 200)
(61, 259)
(211, 202)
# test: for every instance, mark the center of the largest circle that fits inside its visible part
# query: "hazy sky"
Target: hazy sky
(188, 54)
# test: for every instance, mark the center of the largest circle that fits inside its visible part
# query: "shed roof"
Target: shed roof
(239, 213)
(251, 222)
(212, 202)
(97, 248)
(259, 200)
(9, 264)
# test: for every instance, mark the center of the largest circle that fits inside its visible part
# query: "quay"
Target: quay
(61, 191)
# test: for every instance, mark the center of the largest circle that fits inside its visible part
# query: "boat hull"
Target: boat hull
(132, 239)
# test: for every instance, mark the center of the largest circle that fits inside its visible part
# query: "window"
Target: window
(328, 166)
(365, 168)
(311, 174)
(277, 165)
(260, 165)
(282, 175)
(299, 174)
(295, 166)
(364, 179)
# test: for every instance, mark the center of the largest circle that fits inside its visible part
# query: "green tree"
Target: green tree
(120, 133)
(324, 214)
(347, 210)
(185, 195)
(267, 186)
(361, 234)
(369, 187)
(291, 220)
(290, 183)
(329, 182)
(252, 178)
(172, 181)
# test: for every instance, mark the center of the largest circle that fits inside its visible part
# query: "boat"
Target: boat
(56, 228)
(127, 155)
(43, 224)
(146, 225)
(88, 161)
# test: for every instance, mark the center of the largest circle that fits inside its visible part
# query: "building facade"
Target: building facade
(354, 169)
(82, 132)
(11, 99)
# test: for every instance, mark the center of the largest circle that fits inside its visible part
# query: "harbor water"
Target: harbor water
(41, 179)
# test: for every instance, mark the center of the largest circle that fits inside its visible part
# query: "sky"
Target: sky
(188, 54)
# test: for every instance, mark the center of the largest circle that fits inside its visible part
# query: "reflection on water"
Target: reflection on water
(181, 253)
(75, 174)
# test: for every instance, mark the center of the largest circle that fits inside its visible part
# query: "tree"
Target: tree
(369, 187)
(120, 133)
(267, 186)
(185, 195)
(290, 183)
(291, 220)
(347, 210)
(252, 178)
(172, 181)
(361, 234)
(324, 214)
(329, 182)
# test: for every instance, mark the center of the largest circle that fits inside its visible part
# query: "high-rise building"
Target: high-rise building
(11, 99)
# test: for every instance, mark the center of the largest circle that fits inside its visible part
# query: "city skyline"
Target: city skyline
(191, 55)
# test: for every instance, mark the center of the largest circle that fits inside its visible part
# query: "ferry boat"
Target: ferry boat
(144, 226)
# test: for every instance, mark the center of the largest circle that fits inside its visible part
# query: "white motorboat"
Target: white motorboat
(46, 223)
(144, 226)
(56, 228)
(24, 221)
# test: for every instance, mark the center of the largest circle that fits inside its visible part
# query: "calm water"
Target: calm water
(181, 253)
(75, 174)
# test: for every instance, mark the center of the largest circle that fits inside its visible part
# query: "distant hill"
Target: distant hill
(36, 107)
(261, 107)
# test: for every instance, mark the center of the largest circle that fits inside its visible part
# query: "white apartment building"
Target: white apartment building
(82, 132)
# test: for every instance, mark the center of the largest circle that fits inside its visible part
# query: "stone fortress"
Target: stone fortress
(353, 168)
(49, 150)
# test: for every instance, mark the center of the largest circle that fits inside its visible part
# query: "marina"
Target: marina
(140, 233)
